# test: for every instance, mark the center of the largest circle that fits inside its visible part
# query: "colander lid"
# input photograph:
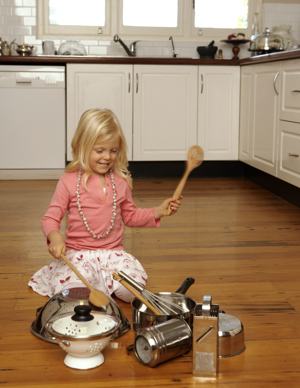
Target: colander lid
(83, 324)
(62, 304)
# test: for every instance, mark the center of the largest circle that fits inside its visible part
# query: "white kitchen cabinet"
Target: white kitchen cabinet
(165, 111)
(260, 88)
(270, 118)
(246, 113)
(289, 152)
(289, 123)
(290, 98)
(156, 105)
(99, 86)
(218, 111)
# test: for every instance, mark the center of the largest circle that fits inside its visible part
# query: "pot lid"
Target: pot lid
(84, 325)
(63, 304)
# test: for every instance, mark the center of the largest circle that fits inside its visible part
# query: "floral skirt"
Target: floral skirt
(96, 266)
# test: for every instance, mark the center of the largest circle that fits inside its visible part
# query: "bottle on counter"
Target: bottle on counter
(255, 32)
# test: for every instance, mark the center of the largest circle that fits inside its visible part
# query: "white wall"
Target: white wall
(18, 21)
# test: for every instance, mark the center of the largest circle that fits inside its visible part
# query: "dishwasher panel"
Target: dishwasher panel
(32, 112)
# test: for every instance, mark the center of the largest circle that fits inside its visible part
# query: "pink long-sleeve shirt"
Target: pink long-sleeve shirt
(97, 208)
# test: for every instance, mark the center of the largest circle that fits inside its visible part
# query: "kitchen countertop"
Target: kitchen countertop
(88, 59)
(279, 56)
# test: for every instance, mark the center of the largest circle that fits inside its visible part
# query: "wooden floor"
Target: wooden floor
(239, 241)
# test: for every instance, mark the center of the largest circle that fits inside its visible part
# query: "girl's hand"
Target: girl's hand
(56, 245)
(167, 208)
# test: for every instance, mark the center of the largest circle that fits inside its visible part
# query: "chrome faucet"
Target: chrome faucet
(131, 50)
(173, 47)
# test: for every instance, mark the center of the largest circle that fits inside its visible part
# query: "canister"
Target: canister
(162, 342)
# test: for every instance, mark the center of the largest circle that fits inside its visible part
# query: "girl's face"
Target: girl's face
(103, 156)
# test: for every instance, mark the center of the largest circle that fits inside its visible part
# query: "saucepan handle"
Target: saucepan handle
(186, 284)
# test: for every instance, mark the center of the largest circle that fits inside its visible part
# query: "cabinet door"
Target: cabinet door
(218, 111)
(289, 152)
(265, 117)
(246, 113)
(99, 86)
(165, 115)
(290, 87)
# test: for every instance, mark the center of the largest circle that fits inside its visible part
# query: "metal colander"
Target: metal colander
(63, 304)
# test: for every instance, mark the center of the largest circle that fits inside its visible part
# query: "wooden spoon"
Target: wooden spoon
(96, 297)
(194, 159)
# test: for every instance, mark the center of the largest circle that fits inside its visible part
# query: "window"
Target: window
(60, 18)
(231, 14)
(71, 13)
(151, 17)
(219, 18)
(154, 13)
(186, 19)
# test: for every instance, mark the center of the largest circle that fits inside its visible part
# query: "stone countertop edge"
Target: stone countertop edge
(65, 59)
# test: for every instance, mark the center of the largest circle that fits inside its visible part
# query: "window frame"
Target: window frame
(185, 30)
(45, 30)
(222, 33)
(152, 31)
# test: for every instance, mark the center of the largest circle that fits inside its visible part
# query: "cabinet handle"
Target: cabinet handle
(296, 91)
(136, 82)
(129, 82)
(24, 82)
(274, 83)
(202, 84)
(293, 155)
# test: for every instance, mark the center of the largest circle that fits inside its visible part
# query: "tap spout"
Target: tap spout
(130, 53)
(173, 47)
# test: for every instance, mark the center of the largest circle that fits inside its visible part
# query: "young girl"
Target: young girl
(95, 193)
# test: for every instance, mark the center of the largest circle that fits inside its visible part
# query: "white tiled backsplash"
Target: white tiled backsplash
(18, 21)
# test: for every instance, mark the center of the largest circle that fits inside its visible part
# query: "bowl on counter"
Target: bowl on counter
(207, 51)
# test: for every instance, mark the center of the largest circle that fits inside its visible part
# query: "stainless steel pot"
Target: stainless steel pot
(142, 317)
(63, 304)
(230, 336)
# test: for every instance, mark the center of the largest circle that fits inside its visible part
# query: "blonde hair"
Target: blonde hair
(98, 125)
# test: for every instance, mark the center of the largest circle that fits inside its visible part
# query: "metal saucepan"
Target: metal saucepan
(231, 335)
(142, 317)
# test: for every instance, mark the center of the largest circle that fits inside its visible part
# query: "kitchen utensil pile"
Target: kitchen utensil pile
(157, 304)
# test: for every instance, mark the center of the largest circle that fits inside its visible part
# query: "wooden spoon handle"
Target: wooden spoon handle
(75, 270)
(136, 293)
(179, 189)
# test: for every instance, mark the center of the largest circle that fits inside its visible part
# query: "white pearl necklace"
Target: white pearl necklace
(114, 208)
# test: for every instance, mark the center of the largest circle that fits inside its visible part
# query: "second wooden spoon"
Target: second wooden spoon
(194, 159)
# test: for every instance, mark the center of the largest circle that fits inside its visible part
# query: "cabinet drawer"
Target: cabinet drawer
(289, 158)
(290, 103)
